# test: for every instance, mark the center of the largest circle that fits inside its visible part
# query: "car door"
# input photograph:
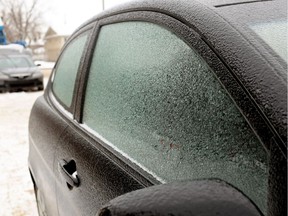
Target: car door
(48, 121)
(150, 109)
(43, 138)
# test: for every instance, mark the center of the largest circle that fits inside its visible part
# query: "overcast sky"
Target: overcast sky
(66, 15)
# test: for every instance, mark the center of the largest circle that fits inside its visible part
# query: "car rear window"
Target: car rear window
(67, 68)
(274, 34)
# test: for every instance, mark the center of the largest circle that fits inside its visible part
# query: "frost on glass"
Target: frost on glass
(154, 98)
(275, 35)
(65, 76)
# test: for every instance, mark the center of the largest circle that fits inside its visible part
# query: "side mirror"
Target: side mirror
(197, 198)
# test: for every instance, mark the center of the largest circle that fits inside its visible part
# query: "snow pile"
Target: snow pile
(16, 188)
(44, 64)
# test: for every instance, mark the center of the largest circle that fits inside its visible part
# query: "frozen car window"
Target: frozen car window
(155, 100)
(66, 70)
(275, 35)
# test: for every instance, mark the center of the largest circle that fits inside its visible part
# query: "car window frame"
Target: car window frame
(69, 111)
(229, 81)
(235, 90)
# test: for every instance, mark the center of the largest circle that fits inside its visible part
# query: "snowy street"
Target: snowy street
(16, 188)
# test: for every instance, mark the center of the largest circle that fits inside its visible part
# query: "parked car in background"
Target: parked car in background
(165, 107)
(18, 71)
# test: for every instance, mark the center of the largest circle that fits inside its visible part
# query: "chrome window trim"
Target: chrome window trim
(115, 148)
(59, 106)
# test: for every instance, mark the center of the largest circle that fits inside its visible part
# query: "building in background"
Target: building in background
(53, 44)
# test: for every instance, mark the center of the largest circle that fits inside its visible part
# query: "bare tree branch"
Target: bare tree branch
(22, 20)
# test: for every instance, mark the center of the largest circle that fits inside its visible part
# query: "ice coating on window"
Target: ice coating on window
(154, 98)
(66, 71)
(275, 35)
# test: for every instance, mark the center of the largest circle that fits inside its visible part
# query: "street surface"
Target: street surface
(16, 188)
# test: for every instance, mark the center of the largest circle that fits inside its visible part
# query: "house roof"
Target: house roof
(51, 33)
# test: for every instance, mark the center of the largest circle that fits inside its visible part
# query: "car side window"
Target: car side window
(156, 101)
(66, 70)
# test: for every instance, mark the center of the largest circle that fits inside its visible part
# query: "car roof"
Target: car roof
(243, 12)
(15, 48)
(239, 14)
(223, 26)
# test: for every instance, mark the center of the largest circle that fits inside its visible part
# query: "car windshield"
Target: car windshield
(274, 34)
(15, 62)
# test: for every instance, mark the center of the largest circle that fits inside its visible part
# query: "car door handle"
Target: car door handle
(69, 172)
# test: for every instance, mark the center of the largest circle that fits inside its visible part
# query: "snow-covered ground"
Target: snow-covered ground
(16, 188)
(45, 64)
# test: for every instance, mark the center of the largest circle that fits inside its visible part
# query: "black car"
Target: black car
(18, 72)
(164, 107)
